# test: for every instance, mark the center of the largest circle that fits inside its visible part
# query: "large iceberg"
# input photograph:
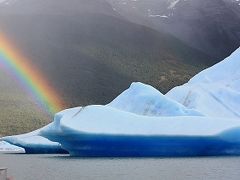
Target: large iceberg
(107, 131)
(199, 118)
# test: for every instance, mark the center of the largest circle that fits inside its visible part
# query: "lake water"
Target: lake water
(63, 167)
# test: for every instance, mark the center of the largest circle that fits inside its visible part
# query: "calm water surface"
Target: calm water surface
(58, 167)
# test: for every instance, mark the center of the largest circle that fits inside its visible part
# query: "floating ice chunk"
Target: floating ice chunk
(157, 15)
(106, 131)
(33, 143)
(5, 147)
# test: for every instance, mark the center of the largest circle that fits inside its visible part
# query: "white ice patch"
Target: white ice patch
(145, 100)
(173, 4)
(5, 147)
(214, 92)
(157, 15)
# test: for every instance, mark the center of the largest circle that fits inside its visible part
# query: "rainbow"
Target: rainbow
(29, 77)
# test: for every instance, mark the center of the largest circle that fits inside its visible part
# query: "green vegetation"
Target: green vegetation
(18, 114)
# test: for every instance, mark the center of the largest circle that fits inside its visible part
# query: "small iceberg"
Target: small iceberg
(6, 147)
(33, 143)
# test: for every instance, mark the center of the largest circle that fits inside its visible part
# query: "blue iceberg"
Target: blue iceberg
(199, 118)
(106, 131)
(6, 147)
(32, 143)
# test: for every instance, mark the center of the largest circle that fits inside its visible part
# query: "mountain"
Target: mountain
(90, 53)
(211, 26)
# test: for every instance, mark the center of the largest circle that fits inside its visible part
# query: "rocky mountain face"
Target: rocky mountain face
(211, 26)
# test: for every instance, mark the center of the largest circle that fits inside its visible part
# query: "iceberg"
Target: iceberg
(199, 118)
(109, 132)
(5, 147)
(32, 143)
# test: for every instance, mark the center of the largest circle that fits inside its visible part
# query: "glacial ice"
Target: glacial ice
(199, 118)
(145, 100)
(33, 143)
(5, 147)
(214, 92)
(107, 131)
